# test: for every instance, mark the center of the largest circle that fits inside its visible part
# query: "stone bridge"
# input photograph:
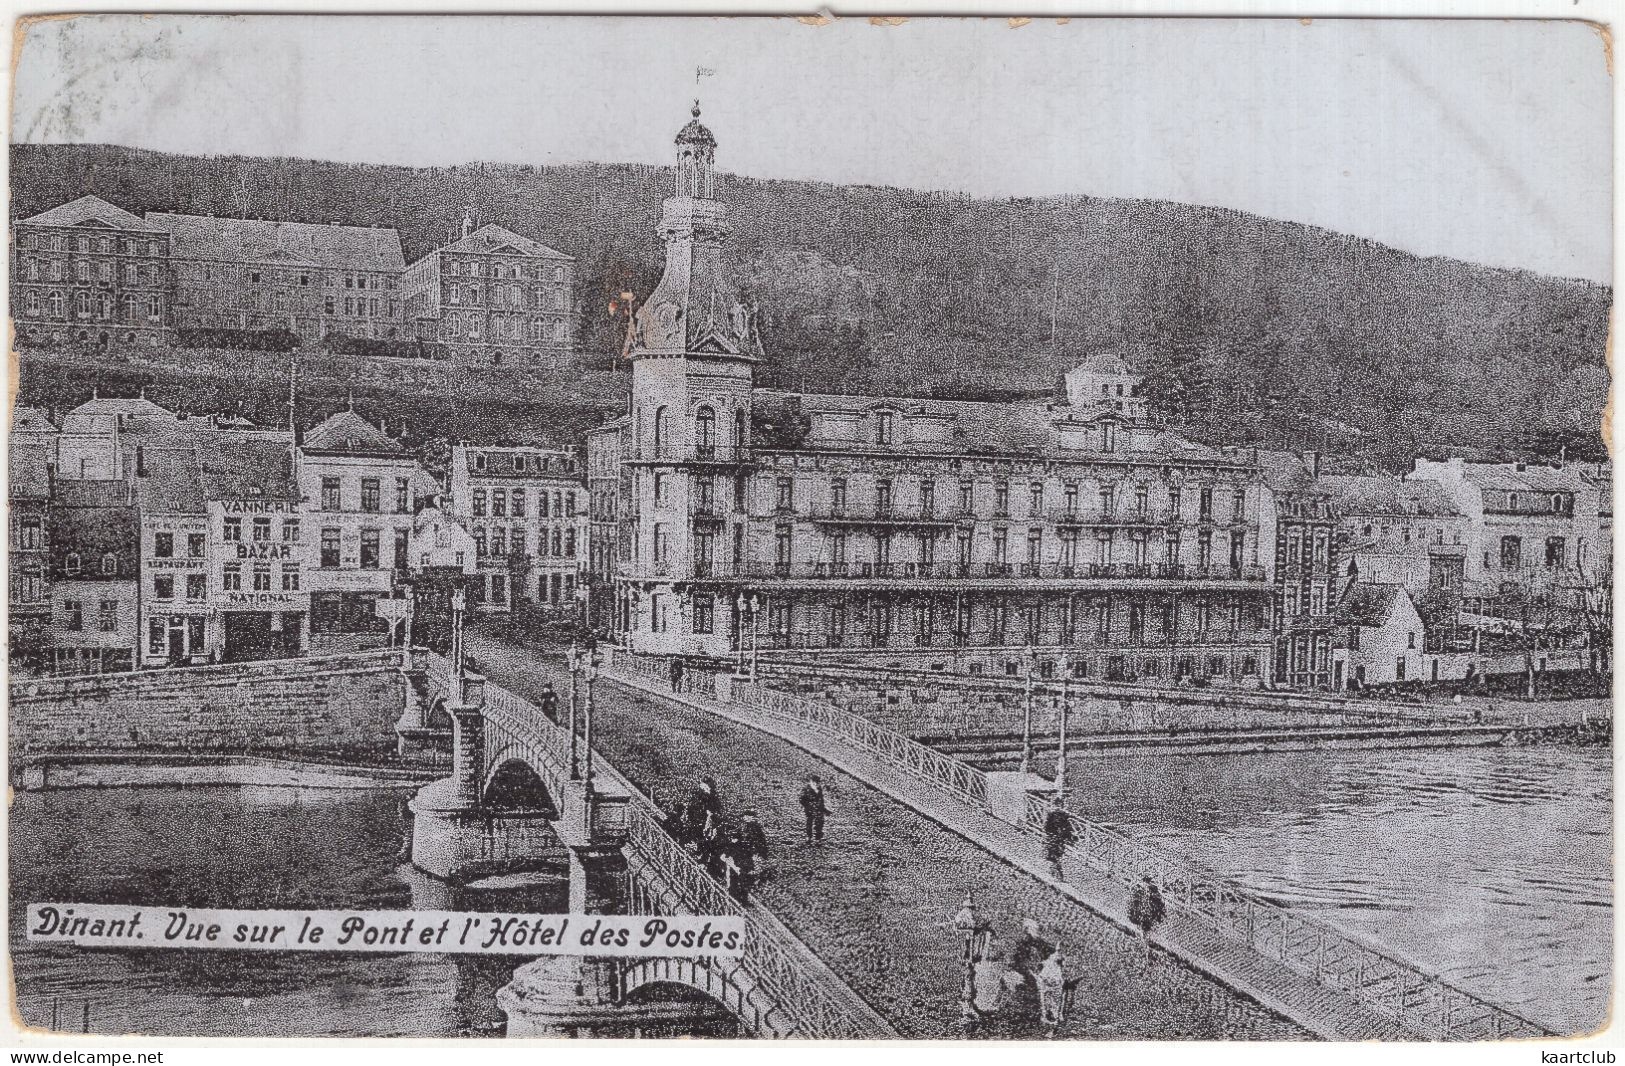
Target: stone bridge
(525, 794)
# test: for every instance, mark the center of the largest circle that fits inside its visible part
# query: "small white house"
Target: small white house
(1380, 637)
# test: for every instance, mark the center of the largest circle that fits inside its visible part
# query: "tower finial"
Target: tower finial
(695, 110)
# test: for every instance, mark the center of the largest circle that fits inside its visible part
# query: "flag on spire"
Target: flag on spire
(702, 72)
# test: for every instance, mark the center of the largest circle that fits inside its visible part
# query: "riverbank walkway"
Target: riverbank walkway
(875, 901)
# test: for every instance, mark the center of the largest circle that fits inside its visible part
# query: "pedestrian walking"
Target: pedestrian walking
(1052, 991)
(1058, 833)
(1026, 960)
(739, 866)
(550, 704)
(1146, 909)
(676, 675)
(754, 839)
(814, 806)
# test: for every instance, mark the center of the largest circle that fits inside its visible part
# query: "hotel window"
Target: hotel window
(1202, 611)
(403, 495)
(883, 427)
(1511, 552)
(705, 432)
(1555, 553)
(1142, 500)
(781, 548)
(262, 577)
(231, 577)
(290, 578)
(369, 549)
(74, 615)
(1036, 506)
(163, 545)
(197, 586)
(837, 496)
(883, 496)
(1108, 498)
(330, 547)
(1001, 499)
(964, 547)
(402, 542)
(1071, 497)
(928, 498)
(785, 494)
(967, 495)
(369, 495)
(330, 494)
(109, 564)
(164, 587)
(499, 541)
(233, 529)
(660, 542)
(499, 503)
(1108, 437)
(156, 636)
(1205, 505)
(518, 503)
(479, 503)
(290, 530)
(1204, 549)
(499, 588)
(262, 530)
(1103, 547)
(30, 533)
(479, 542)
(704, 613)
(108, 616)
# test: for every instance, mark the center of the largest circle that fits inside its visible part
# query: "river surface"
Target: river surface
(1489, 866)
(250, 848)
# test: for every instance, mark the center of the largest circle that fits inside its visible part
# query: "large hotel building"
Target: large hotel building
(1076, 526)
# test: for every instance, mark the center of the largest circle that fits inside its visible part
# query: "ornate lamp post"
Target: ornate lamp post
(1027, 714)
(459, 604)
(747, 607)
(1060, 758)
(590, 665)
(584, 597)
(575, 672)
(974, 928)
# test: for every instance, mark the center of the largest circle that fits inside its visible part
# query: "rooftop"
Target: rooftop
(90, 212)
(495, 239)
(1382, 494)
(256, 240)
(346, 431)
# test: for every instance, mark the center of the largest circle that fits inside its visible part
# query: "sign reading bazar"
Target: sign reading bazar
(447, 932)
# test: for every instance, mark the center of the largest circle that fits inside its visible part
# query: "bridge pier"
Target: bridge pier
(420, 735)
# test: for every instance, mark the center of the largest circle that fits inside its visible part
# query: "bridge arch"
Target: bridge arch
(512, 783)
(726, 986)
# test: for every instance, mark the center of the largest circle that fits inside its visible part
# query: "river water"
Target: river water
(250, 848)
(1489, 866)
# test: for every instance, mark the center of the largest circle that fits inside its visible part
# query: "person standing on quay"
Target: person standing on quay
(676, 675)
(550, 704)
(813, 805)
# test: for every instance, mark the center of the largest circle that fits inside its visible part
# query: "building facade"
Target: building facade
(90, 273)
(266, 275)
(525, 508)
(358, 488)
(1079, 528)
(606, 447)
(94, 544)
(1399, 531)
(31, 464)
(1382, 637)
(1301, 557)
(493, 298)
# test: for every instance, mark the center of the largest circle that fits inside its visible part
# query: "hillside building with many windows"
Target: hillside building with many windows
(90, 273)
(493, 298)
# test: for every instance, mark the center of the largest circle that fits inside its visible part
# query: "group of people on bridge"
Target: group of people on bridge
(735, 854)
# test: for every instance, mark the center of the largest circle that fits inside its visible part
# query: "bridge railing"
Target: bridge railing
(960, 780)
(1387, 985)
(771, 956)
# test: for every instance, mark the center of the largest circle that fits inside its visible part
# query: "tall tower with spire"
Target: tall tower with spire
(694, 346)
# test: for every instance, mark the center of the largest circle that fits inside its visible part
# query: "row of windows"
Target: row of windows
(371, 495)
(55, 270)
(197, 586)
(472, 326)
(370, 557)
(107, 615)
(536, 463)
(130, 306)
(1511, 557)
(231, 578)
(563, 503)
(510, 297)
(73, 564)
(163, 544)
(1107, 497)
(553, 589)
(476, 268)
(260, 531)
(57, 242)
(494, 542)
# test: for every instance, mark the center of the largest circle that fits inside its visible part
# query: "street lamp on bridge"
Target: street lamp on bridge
(459, 607)
(750, 607)
(977, 933)
(1027, 713)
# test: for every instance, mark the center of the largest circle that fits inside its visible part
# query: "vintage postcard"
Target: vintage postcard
(1093, 529)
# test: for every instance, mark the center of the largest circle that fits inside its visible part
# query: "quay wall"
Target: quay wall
(334, 704)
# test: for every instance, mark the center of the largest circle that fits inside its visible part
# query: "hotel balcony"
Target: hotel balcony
(892, 517)
(1001, 575)
(691, 455)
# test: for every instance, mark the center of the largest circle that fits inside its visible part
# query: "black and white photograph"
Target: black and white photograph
(821, 528)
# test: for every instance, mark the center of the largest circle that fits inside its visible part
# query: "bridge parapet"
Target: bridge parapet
(1378, 980)
(777, 987)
